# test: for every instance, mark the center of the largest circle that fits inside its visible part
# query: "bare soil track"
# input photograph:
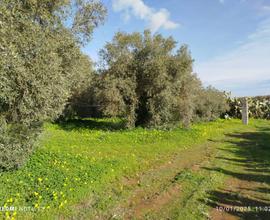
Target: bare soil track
(245, 193)
(241, 160)
(158, 187)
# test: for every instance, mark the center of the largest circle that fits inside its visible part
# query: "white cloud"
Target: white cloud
(156, 19)
(266, 7)
(245, 65)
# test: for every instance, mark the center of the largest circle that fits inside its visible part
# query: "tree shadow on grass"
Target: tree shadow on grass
(259, 189)
(93, 124)
(237, 205)
(252, 155)
(241, 176)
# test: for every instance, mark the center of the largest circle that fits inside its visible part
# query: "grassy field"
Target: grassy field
(94, 169)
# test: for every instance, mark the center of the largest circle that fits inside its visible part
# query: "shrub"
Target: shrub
(210, 104)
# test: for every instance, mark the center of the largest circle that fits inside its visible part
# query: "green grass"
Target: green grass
(81, 164)
(243, 157)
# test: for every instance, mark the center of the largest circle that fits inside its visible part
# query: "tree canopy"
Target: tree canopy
(144, 81)
(143, 78)
(41, 66)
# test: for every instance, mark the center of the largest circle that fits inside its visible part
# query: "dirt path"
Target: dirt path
(225, 179)
(246, 193)
(158, 187)
(237, 201)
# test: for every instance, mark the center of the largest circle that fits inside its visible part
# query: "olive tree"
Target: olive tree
(40, 67)
(136, 82)
(144, 81)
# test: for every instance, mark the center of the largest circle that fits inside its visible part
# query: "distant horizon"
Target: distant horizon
(229, 39)
(240, 88)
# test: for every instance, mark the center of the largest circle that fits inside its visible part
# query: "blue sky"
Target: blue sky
(229, 39)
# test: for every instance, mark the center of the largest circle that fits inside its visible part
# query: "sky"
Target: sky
(229, 39)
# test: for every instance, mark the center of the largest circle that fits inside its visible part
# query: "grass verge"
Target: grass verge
(91, 169)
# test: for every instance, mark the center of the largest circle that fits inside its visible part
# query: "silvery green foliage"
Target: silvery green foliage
(134, 82)
(145, 82)
(210, 104)
(40, 67)
(186, 86)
